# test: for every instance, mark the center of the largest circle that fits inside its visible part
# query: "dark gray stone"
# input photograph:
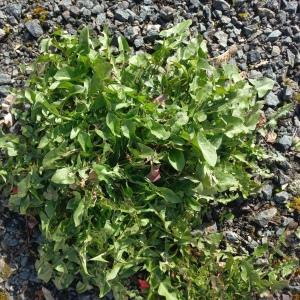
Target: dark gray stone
(249, 30)
(267, 191)
(34, 28)
(221, 5)
(281, 197)
(291, 58)
(232, 236)
(14, 10)
(5, 79)
(122, 15)
(285, 142)
(253, 56)
(274, 35)
(74, 11)
(4, 90)
(222, 38)
(98, 9)
(65, 4)
(272, 100)
(100, 20)
(265, 12)
(138, 42)
(195, 3)
(287, 93)
(86, 12)
(264, 217)
(291, 7)
(296, 37)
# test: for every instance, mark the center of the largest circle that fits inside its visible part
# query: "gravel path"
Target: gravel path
(267, 34)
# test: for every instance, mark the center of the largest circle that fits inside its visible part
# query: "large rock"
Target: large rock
(34, 28)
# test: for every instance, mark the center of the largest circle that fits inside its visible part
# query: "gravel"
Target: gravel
(267, 35)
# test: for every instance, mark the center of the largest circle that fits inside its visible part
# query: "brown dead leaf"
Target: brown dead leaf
(154, 174)
(31, 221)
(47, 294)
(226, 56)
(8, 103)
(160, 100)
(5, 270)
(271, 137)
(262, 120)
(7, 120)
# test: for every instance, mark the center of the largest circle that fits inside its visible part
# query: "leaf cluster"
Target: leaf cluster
(120, 155)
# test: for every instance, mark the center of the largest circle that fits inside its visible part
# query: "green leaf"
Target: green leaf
(113, 124)
(179, 29)
(78, 213)
(112, 274)
(64, 74)
(85, 142)
(169, 195)
(164, 290)
(84, 40)
(207, 149)
(176, 159)
(262, 85)
(63, 176)
(159, 131)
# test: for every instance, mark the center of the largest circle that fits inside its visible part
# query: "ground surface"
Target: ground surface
(267, 34)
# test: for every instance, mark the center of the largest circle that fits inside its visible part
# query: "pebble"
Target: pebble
(101, 18)
(287, 93)
(2, 34)
(98, 9)
(253, 56)
(291, 6)
(281, 197)
(265, 12)
(285, 142)
(34, 28)
(274, 36)
(222, 38)
(122, 15)
(232, 236)
(5, 79)
(221, 5)
(267, 191)
(264, 217)
(275, 51)
(272, 100)
(138, 42)
(14, 10)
